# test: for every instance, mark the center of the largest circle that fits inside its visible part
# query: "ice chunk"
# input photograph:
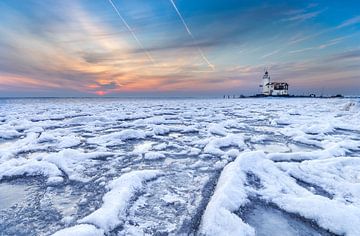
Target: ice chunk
(161, 129)
(123, 135)
(229, 195)
(333, 150)
(31, 167)
(143, 147)
(7, 134)
(115, 202)
(55, 180)
(215, 144)
(70, 161)
(69, 141)
(194, 151)
(217, 129)
(80, 230)
(153, 156)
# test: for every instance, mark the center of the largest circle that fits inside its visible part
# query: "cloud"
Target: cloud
(270, 54)
(329, 43)
(300, 15)
(304, 16)
(352, 21)
(349, 55)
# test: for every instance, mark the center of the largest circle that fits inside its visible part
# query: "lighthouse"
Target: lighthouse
(273, 88)
(266, 82)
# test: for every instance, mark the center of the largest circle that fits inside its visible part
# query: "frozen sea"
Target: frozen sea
(180, 166)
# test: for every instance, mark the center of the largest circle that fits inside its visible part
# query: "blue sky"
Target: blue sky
(83, 48)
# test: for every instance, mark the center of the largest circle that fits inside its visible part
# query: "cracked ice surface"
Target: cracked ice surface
(179, 166)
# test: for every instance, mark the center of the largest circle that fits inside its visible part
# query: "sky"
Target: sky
(177, 48)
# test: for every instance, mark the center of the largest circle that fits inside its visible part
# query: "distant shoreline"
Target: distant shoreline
(195, 97)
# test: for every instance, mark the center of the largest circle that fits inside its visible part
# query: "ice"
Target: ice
(195, 151)
(351, 106)
(229, 195)
(123, 135)
(267, 218)
(20, 167)
(215, 144)
(70, 161)
(275, 186)
(153, 156)
(52, 165)
(143, 147)
(80, 230)
(180, 166)
(7, 134)
(272, 148)
(69, 141)
(161, 129)
(217, 129)
(115, 202)
(25, 144)
(11, 194)
(340, 177)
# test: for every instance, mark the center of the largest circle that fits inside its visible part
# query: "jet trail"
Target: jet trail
(132, 32)
(192, 36)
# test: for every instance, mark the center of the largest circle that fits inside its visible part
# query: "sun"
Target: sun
(100, 93)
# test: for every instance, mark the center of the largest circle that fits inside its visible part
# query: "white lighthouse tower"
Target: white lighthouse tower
(266, 82)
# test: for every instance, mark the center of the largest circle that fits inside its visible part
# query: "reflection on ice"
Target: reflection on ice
(270, 148)
(267, 219)
(11, 194)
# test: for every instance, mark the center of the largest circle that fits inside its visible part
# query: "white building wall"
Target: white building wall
(279, 92)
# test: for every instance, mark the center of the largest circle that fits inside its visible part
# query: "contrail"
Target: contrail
(191, 35)
(132, 32)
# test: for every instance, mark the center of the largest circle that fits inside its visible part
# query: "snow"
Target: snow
(69, 161)
(215, 144)
(19, 167)
(124, 135)
(52, 165)
(333, 150)
(115, 202)
(69, 141)
(7, 134)
(179, 166)
(278, 187)
(161, 129)
(229, 195)
(80, 230)
(217, 129)
(153, 156)
(339, 176)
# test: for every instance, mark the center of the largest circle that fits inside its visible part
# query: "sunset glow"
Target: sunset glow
(100, 93)
(83, 48)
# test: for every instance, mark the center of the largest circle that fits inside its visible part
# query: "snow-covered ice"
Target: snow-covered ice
(180, 166)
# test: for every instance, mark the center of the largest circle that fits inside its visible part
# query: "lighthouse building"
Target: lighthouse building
(273, 88)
